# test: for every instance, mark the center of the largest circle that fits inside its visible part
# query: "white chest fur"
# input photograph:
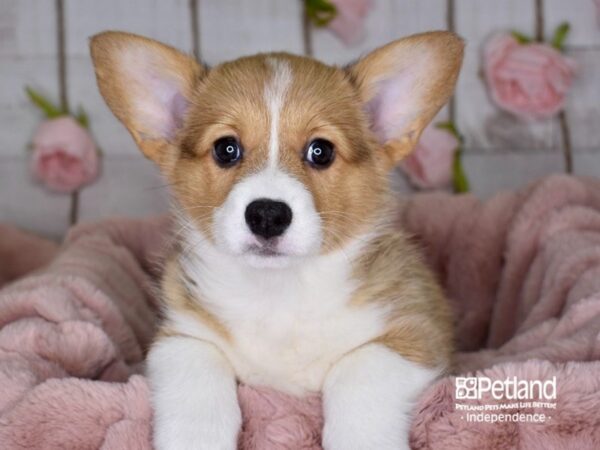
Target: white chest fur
(286, 326)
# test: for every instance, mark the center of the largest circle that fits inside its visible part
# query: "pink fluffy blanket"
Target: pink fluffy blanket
(522, 272)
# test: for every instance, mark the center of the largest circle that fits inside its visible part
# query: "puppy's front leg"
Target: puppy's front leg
(368, 397)
(194, 395)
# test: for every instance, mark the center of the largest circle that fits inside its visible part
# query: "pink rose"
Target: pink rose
(64, 156)
(429, 166)
(528, 80)
(348, 23)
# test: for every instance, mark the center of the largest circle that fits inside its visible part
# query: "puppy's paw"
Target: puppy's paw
(339, 437)
(194, 394)
(368, 398)
(211, 429)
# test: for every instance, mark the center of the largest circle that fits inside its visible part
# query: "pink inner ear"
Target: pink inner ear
(395, 105)
(179, 106)
(165, 106)
(155, 91)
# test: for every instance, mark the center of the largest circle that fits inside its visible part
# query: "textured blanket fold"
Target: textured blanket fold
(522, 272)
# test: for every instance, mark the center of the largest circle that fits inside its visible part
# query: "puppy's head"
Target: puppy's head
(274, 157)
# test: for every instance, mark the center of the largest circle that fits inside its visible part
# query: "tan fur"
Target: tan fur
(393, 274)
(324, 102)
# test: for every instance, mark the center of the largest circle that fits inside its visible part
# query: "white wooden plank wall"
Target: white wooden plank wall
(500, 152)
(230, 29)
(130, 185)
(583, 108)
(28, 55)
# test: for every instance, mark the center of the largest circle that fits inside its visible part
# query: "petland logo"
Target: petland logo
(472, 388)
(508, 400)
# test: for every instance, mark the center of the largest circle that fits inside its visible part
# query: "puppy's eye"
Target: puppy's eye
(227, 151)
(320, 153)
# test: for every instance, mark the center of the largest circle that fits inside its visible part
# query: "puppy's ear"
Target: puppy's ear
(404, 84)
(147, 85)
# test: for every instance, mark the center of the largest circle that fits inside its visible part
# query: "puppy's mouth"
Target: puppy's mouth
(267, 254)
(268, 249)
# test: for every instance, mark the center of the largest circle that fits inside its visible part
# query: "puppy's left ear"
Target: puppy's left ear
(404, 84)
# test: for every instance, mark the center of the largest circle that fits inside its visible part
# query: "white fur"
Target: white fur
(302, 238)
(368, 397)
(275, 92)
(194, 395)
(288, 325)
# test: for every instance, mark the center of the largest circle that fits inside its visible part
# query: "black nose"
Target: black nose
(268, 218)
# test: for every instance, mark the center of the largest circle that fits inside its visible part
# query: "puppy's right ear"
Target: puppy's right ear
(147, 85)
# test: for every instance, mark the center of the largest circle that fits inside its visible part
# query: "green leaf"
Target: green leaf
(82, 118)
(451, 127)
(459, 176)
(44, 104)
(320, 12)
(460, 181)
(560, 35)
(521, 38)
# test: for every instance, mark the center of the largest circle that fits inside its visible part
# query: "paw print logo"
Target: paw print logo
(466, 388)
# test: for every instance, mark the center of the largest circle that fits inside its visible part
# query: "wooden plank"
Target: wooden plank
(165, 20)
(583, 103)
(124, 185)
(582, 111)
(581, 14)
(230, 29)
(485, 127)
(129, 186)
(109, 133)
(27, 205)
(476, 20)
(27, 57)
(19, 118)
(587, 164)
(492, 173)
(389, 20)
(28, 50)
(27, 28)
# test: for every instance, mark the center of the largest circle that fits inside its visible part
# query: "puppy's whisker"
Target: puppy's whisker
(162, 186)
(186, 223)
(338, 240)
(341, 233)
(199, 206)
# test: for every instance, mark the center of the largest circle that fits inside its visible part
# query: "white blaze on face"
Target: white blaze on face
(275, 92)
(304, 235)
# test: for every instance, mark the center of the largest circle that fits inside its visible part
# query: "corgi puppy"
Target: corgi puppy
(288, 271)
